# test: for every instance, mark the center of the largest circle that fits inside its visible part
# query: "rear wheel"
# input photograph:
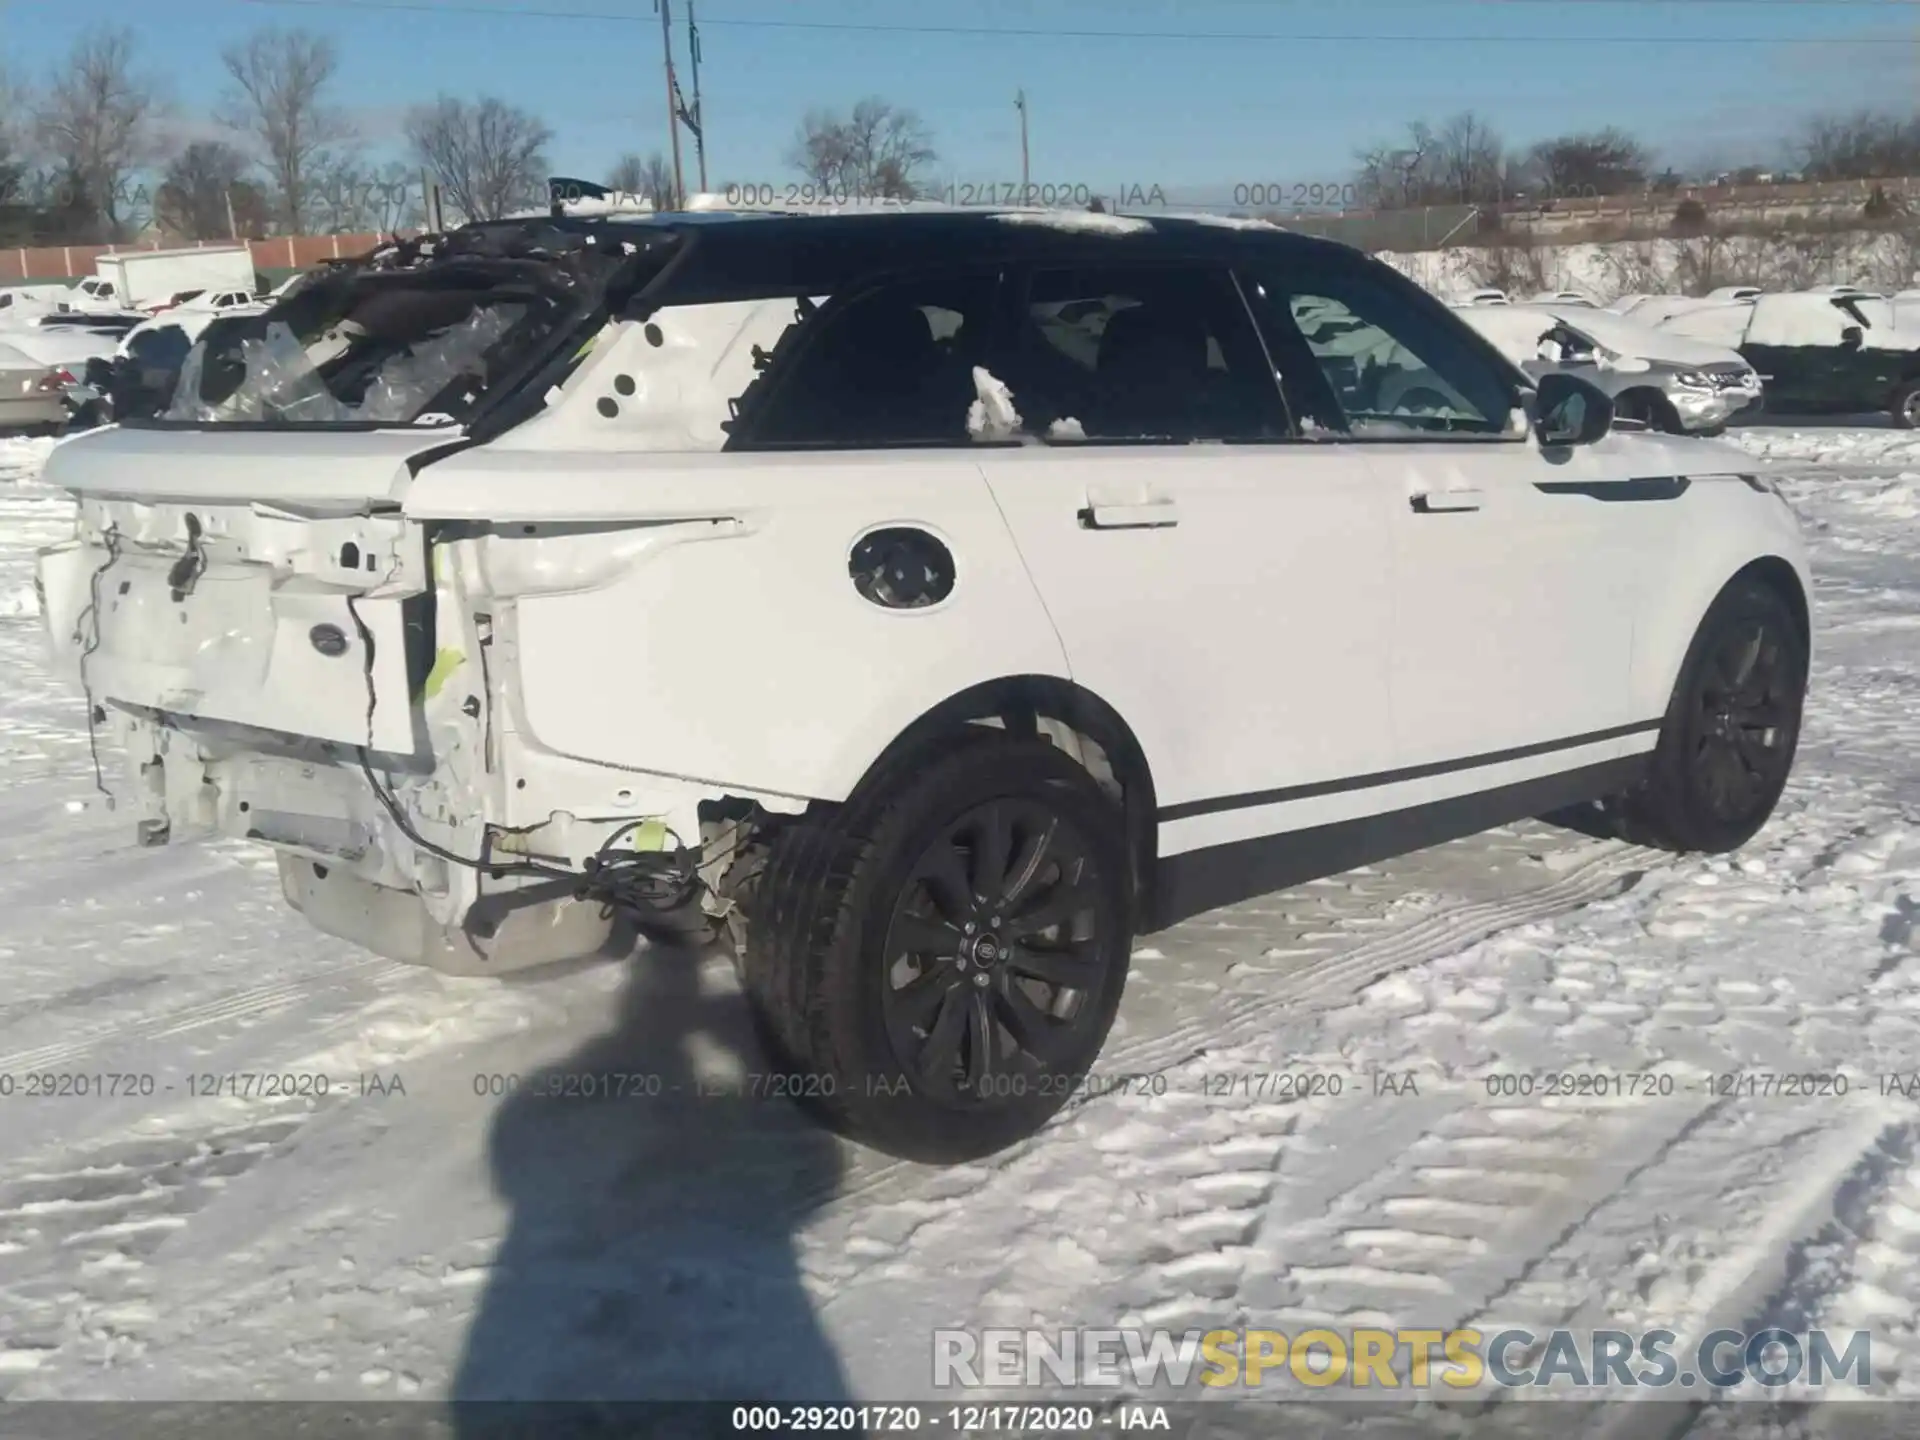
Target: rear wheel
(939, 966)
(1906, 406)
(1728, 741)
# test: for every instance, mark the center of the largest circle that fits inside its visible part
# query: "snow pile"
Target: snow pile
(21, 460)
(1832, 447)
(992, 416)
(1666, 265)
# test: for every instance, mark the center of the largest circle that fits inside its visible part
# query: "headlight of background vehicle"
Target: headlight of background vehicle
(1694, 379)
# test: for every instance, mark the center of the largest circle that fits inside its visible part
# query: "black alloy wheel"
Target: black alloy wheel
(994, 954)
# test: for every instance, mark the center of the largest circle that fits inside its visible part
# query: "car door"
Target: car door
(1220, 585)
(1516, 573)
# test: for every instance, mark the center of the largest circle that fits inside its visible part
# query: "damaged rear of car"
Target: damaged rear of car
(288, 653)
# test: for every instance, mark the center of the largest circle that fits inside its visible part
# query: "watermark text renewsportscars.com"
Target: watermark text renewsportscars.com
(1377, 1360)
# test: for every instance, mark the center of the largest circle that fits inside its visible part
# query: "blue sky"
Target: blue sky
(1698, 79)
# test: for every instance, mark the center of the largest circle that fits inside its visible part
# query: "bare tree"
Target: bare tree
(15, 106)
(95, 124)
(280, 80)
(651, 177)
(1601, 162)
(1459, 163)
(204, 194)
(877, 150)
(1394, 177)
(489, 157)
(1467, 157)
(1865, 145)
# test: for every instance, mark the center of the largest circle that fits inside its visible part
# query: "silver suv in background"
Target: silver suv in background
(1667, 382)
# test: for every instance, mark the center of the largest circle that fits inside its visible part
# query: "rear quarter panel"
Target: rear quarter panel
(696, 616)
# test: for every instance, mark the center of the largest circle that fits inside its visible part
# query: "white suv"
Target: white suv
(931, 602)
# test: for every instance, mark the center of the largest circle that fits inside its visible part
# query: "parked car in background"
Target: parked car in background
(1837, 353)
(1486, 295)
(1665, 382)
(17, 301)
(1717, 323)
(1653, 309)
(29, 391)
(1563, 297)
(1725, 293)
(68, 339)
(139, 376)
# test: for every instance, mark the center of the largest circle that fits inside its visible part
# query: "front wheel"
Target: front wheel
(940, 965)
(1728, 740)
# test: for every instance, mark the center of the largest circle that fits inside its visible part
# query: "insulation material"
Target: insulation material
(282, 384)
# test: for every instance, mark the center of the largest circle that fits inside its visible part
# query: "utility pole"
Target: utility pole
(673, 101)
(696, 122)
(1020, 104)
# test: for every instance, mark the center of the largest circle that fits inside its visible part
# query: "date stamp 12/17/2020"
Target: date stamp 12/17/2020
(988, 192)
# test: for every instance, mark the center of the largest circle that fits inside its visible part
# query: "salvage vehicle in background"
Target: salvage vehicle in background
(814, 582)
(1837, 353)
(29, 392)
(1665, 382)
(138, 378)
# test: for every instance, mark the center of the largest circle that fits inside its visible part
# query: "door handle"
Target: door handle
(1438, 502)
(1153, 515)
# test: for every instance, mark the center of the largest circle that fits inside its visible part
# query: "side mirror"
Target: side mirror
(1571, 411)
(1853, 337)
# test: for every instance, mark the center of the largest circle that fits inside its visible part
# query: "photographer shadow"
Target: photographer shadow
(655, 1191)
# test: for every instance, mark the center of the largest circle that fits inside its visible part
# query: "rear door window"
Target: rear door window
(1163, 354)
(891, 366)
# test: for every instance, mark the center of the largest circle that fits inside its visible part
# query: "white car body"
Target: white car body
(70, 346)
(387, 651)
(27, 399)
(19, 301)
(1654, 309)
(1704, 385)
(1723, 324)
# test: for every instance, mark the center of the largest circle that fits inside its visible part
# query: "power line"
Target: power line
(1238, 37)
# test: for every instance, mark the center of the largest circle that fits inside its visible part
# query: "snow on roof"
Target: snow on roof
(1515, 330)
(1819, 318)
(1095, 220)
(1228, 222)
(1640, 340)
(12, 359)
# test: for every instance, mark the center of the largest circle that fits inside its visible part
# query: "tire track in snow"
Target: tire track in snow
(1238, 1020)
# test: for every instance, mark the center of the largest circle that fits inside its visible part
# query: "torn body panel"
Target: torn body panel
(393, 770)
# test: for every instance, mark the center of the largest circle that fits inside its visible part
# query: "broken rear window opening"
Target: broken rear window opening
(422, 333)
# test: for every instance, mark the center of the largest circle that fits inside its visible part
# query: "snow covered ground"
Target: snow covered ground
(417, 1237)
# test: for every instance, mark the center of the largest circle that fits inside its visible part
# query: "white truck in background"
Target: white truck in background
(143, 279)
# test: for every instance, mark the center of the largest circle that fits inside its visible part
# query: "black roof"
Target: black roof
(794, 254)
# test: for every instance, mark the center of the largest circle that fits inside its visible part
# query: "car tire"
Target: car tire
(909, 955)
(1728, 739)
(1651, 408)
(1905, 408)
